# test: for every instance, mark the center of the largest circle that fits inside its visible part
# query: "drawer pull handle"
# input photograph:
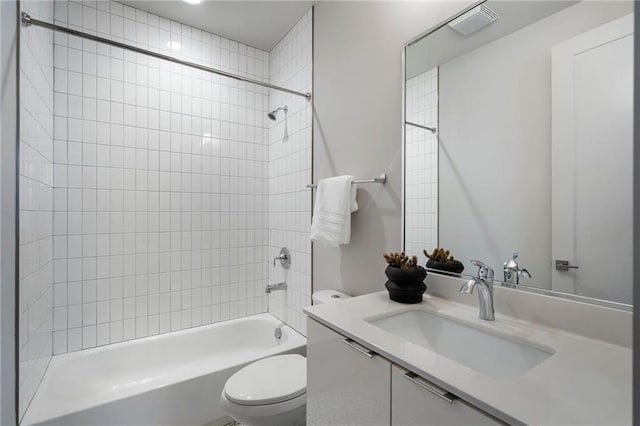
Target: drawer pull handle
(412, 377)
(353, 345)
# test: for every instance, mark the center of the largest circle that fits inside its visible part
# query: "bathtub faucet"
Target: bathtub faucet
(279, 286)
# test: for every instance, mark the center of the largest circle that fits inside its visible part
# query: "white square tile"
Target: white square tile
(60, 342)
(103, 334)
(74, 339)
(74, 316)
(89, 336)
(73, 58)
(138, 110)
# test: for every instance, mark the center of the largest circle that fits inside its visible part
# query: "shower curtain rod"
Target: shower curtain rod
(28, 20)
(431, 129)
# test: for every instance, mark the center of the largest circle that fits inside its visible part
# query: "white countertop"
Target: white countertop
(585, 381)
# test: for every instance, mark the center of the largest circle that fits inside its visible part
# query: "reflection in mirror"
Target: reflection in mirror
(531, 107)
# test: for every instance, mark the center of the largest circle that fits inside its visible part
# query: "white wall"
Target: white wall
(160, 179)
(35, 268)
(8, 137)
(289, 170)
(495, 143)
(357, 130)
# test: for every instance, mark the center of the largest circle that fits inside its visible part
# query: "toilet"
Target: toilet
(273, 390)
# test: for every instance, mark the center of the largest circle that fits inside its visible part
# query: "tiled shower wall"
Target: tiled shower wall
(290, 172)
(36, 203)
(421, 170)
(161, 190)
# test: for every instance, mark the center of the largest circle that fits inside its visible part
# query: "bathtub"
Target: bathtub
(170, 379)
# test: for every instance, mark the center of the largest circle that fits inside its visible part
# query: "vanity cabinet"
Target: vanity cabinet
(346, 383)
(416, 401)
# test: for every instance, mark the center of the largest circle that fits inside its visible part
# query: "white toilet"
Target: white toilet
(272, 391)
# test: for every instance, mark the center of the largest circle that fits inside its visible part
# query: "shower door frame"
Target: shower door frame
(9, 205)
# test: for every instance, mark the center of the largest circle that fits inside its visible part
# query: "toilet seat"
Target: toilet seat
(291, 412)
(268, 381)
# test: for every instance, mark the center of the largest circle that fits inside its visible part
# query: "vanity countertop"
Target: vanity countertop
(585, 381)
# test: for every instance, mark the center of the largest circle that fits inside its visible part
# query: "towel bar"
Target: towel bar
(382, 179)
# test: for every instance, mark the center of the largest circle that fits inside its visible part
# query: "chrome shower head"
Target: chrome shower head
(272, 115)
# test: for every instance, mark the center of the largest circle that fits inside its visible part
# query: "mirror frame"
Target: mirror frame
(529, 289)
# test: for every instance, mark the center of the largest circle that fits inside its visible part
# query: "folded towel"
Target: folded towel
(335, 201)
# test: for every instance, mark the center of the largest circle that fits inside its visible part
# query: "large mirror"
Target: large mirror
(518, 139)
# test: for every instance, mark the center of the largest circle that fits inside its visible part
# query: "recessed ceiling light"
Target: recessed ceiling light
(174, 45)
(192, 1)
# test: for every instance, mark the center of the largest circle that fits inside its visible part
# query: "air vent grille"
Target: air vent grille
(490, 13)
(474, 20)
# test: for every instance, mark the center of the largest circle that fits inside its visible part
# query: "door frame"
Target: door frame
(562, 154)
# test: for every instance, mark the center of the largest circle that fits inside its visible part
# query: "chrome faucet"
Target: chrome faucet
(484, 282)
(272, 287)
(513, 272)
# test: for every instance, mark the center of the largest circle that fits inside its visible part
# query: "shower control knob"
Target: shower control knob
(284, 258)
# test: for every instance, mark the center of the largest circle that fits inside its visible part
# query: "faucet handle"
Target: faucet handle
(484, 270)
(512, 263)
(284, 257)
(279, 257)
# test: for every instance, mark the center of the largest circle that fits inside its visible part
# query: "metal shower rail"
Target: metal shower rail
(431, 129)
(28, 20)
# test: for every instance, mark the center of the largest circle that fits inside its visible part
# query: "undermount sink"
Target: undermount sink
(490, 354)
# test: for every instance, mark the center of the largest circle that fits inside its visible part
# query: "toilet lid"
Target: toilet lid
(268, 381)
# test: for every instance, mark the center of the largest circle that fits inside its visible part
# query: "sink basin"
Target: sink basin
(490, 354)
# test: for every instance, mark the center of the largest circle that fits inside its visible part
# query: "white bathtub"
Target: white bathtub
(171, 379)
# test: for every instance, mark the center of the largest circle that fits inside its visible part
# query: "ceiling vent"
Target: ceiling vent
(473, 20)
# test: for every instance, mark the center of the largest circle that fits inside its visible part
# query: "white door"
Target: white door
(592, 164)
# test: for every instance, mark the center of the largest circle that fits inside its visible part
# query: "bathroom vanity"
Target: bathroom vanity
(372, 361)
(356, 386)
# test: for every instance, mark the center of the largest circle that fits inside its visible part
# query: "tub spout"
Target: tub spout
(271, 287)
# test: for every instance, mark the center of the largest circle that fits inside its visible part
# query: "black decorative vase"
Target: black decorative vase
(450, 268)
(405, 285)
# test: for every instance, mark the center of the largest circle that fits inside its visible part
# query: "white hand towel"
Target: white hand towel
(335, 201)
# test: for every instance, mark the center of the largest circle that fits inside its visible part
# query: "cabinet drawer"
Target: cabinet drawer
(346, 383)
(416, 401)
